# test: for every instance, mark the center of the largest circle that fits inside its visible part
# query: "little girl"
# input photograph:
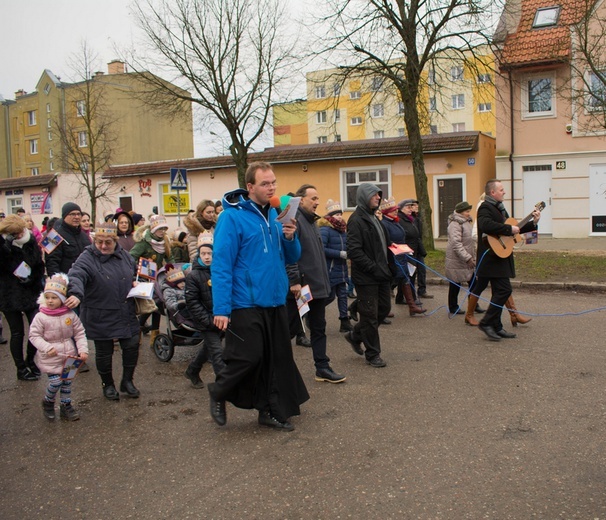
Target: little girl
(57, 333)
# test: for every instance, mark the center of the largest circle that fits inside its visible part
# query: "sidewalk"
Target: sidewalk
(592, 245)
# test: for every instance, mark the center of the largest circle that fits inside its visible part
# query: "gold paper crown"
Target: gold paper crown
(332, 206)
(106, 228)
(57, 284)
(205, 239)
(175, 276)
(388, 204)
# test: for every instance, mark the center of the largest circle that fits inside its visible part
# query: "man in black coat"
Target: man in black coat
(367, 243)
(492, 268)
(74, 240)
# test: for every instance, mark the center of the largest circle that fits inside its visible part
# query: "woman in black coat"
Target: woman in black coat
(21, 282)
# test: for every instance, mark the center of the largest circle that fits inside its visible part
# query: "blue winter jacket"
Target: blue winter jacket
(334, 242)
(249, 257)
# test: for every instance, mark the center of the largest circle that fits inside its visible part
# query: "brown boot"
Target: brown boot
(153, 334)
(516, 317)
(410, 301)
(471, 307)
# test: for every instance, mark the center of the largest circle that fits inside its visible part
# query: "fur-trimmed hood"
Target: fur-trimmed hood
(140, 232)
(193, 225)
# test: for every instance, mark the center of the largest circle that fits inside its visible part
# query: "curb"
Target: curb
(590, 287)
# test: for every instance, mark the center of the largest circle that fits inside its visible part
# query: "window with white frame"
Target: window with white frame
(537, 168)
(320, 92)
(401, 132)
(484, 78)
(337, 115)
(35, 171)
(82, 140)
(352, 178)
(538, 98)
(51, 166)
(546, 17)
(431, 77)
(81, 108)
(50, 153)
(355, 94)
(596, 97)
(432, 104)
(336, 89)
(48, 108)
(458, 101)
(355, 121)
(433, 129)
(401, 108)
(378, 110)
(376, 84)
(33, 146)
(47, 89)
(322, 139)
(13, 203)
(337, 138)
(484, 107)
(49, 136)
(49, 123)
(458, 127)
(321, 117)
(456, 73)
(31, 118)
(378, 134)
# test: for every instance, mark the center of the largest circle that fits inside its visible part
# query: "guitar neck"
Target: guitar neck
(525, 221)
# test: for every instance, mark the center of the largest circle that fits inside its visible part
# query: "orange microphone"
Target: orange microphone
(274, 202)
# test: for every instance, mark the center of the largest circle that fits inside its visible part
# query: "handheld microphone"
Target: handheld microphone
(274, 202)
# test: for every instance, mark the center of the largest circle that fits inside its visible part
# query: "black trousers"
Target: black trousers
(501, 291)
(317, 332)
(374, 304)
(17, 328)
(104, 351)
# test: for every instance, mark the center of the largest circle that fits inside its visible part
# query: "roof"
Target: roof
(28, 182)
(436, 143)
(535, 46)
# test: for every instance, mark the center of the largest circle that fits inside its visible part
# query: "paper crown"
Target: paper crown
(106, 228)
(157, 222)
(388, 205)
(175, 276)
(333, 206)
(205, 239)
(57, 285)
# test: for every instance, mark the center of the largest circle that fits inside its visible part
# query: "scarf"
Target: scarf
(157, 244)
(392, 214)
(500, 206)
(20, 242)
(54, 312)
(339, 225)
(207, 224)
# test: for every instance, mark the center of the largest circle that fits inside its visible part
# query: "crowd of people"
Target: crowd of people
(239, 280)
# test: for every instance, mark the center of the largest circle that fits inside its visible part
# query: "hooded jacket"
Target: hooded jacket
(366, 248)
(250, 253)
(334, 242)
(460, 249)
(143, 247)
(198, 295)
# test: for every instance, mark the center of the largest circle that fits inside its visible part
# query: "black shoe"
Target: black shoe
(479, 310)
(386, 322)
(69, 413)
(346, 325)
(426, 296)
(328, 375)
(48, 409)
(355, 345)
(458, 311)
(127, 386)
(145, 329)
(217, 411)
(110, 392)
(33, 368)
(25, 374)
(266, 419)
(376, 362)
(194, 379)
(504, 334)
(303, 341)
(400, 302)
(490, 332)
(353, 310)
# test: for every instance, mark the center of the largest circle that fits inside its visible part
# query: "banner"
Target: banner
(41, 203)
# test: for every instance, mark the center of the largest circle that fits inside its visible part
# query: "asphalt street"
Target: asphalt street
(455, 427)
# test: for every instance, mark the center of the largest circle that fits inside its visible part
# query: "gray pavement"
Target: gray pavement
(455, 427)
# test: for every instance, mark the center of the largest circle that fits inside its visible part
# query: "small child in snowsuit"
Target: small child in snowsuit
(57, 333)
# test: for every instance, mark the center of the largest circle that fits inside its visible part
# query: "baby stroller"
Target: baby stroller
(180, 331)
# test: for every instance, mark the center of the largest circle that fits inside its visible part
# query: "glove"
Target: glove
(343, 255)
(181, 304)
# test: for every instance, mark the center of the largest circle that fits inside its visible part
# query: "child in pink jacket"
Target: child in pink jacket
(57, 333)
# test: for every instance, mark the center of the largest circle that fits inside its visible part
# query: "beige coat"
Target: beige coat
(460, 249)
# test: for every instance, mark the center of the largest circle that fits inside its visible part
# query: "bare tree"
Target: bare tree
(86, 130)
(230, 55)
(398, 40)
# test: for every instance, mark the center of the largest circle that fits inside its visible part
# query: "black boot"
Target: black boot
(109, 390)
(126, 385)
(346, 325)
(353, 310)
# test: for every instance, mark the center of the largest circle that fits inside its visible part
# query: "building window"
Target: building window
(401, 108)
(378, 134)
(546, 17)
(31, 118)
(35, 171)
(458, 127)
(337, 115)
(356, 121)
(51, 166)
(431, 77)
(378, 110)
(47, 88)
(336, 90)
(322, 139)
(401, 132)
(596, 98)
(48, 108)
(376, 84)
(50, 136)
(355, 94)
(432, 104)
(82, 140)
(380, 176)
(50, 153)
(538, 97)
(337, 138)
(33, 146)
(49, 123)
(320, 92)
(484, 107)
(321, 117)
(81, 108)
(456, 73)
(433, 129)
(458, 101)
(484, 78)
(13, 203)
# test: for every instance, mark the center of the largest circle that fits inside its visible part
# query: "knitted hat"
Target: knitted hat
(179, 235)
(388, 205)
(157, 222)
(463, 206)
(333, 207)
(407, 202)
(68, 207)
(205, 239)
(175, 276)
(106, 228)
(57, 285)
(137, 218)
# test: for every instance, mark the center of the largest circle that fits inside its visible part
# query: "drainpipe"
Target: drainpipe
(511, 123)
(7, 128)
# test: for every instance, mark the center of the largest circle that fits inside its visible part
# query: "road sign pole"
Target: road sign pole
(178, 208)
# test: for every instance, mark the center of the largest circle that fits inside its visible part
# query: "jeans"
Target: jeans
(15, 324)
(340, 292)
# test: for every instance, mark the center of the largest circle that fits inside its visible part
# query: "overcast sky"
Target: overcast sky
(43, 34)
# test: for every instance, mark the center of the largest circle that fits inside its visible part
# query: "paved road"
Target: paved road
(455, 427)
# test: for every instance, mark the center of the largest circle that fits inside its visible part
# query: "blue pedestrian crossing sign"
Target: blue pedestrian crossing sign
(178, 179)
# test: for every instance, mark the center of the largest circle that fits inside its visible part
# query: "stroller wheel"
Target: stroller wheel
(164, 348)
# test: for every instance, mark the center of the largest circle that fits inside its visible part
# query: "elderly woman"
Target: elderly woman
(203, 220)
(21, 282)
(100, 281)
(126, 229)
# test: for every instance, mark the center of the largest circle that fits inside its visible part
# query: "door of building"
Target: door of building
(450, 193)
(537, 188)
(126, 202)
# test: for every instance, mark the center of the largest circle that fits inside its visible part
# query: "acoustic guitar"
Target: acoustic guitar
(502, 245)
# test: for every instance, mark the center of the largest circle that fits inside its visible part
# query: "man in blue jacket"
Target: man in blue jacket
(251, 250)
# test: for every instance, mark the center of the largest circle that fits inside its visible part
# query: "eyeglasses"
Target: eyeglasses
(107, 242)
(74, 214)
(266, 184)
